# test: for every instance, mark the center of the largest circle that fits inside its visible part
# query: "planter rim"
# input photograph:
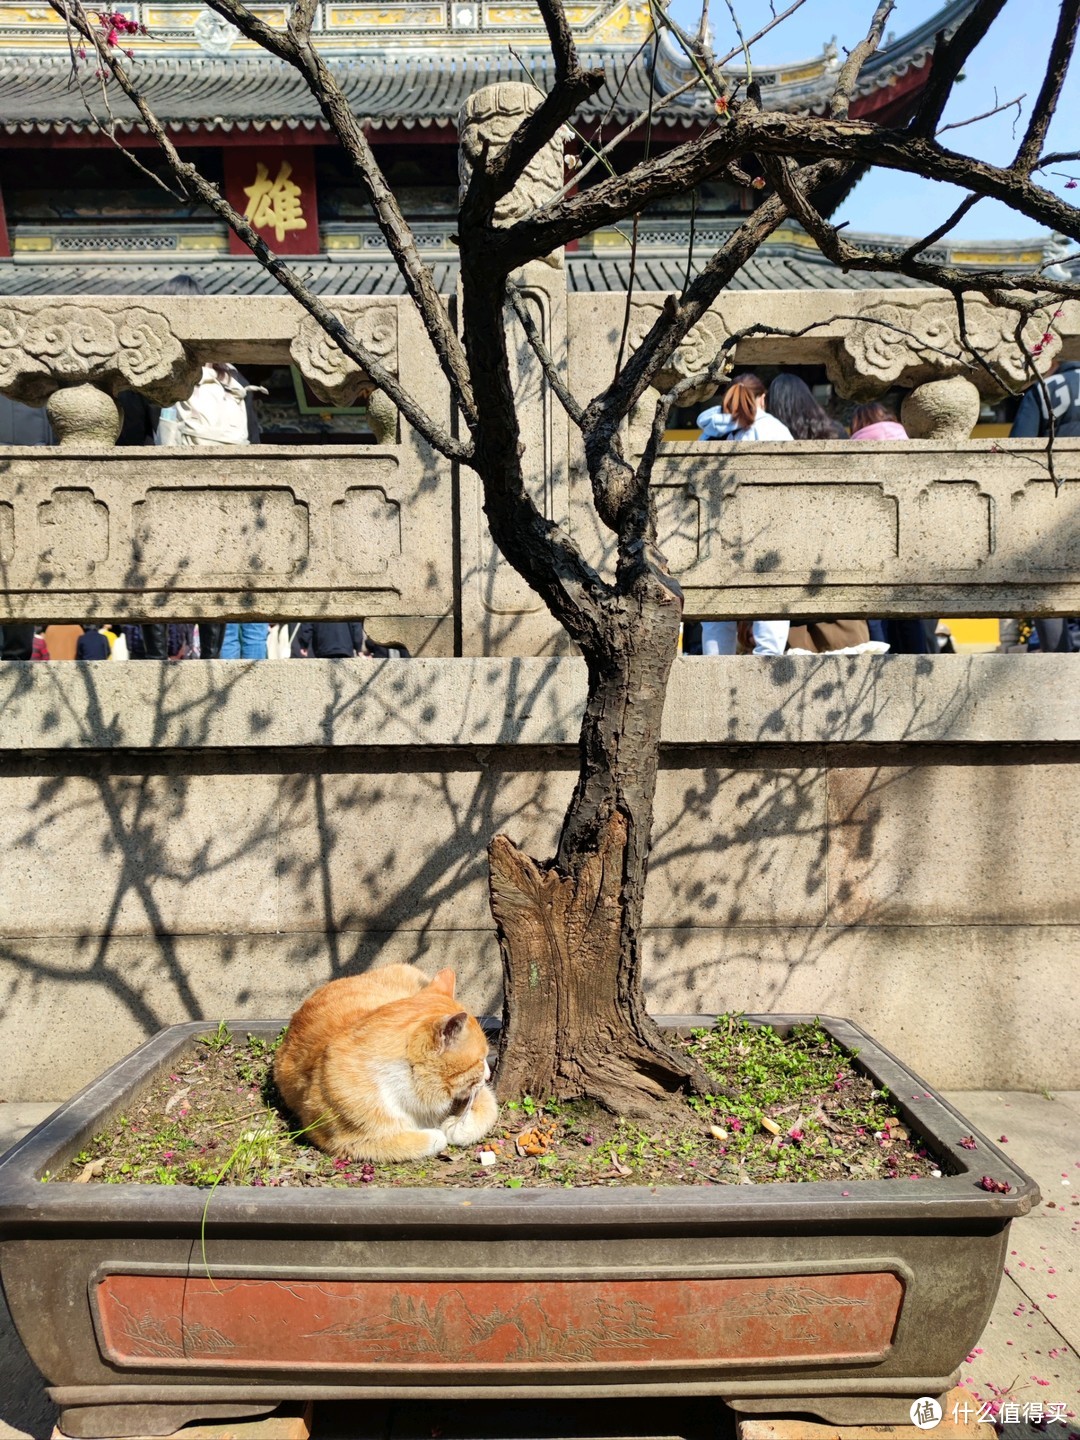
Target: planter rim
(27, 1205)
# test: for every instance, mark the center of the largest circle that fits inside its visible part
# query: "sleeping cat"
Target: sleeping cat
(387, 1066)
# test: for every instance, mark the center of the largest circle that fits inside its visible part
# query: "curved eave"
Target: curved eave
(405, 87)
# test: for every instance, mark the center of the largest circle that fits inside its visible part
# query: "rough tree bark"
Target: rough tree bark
(574, 1020)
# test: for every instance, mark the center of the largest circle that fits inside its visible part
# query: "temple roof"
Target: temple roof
(403, 67)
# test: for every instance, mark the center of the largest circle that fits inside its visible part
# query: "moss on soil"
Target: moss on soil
(794, 1108)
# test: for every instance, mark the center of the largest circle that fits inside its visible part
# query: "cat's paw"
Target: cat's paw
(476, 1121)
(437, 1142)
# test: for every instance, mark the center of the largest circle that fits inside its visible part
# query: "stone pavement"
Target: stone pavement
(1030, 1351)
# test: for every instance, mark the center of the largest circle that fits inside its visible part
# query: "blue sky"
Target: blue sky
(1011, 60)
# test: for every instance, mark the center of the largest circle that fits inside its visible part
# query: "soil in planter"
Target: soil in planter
(795, 1108)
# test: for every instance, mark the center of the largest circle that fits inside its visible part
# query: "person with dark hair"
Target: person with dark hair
(93, 644)
(741, 415)
(876, 422)
(331, 639)
(792, 402)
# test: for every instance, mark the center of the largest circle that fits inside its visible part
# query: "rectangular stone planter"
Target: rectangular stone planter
(842, 1301)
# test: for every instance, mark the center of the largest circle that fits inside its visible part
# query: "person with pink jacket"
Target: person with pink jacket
(875, 422)
(906, 635)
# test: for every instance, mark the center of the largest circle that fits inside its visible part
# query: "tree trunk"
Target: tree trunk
(574, 1021)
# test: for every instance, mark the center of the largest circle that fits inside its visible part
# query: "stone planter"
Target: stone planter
(779, 1298)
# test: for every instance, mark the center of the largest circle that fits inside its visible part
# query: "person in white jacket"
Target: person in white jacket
(741, 415)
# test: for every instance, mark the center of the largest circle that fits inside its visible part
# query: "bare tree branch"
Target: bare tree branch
(974, 119)
(543, 355)
(968, 203)
(495, 176)
(949, 58)
(662, 102)
(301, 16)
(849, 71)
(298, 50)
(773, 133)
(1042, 112)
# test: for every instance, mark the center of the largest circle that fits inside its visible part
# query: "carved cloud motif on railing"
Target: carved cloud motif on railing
(894, 343)
(45, 349)
(332, 376)
(694, 355)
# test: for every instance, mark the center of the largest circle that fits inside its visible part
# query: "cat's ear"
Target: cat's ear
(444, 983)
(448, 1028)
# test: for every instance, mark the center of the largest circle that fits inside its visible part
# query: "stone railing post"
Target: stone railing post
(500, 614)
(74, 359)
(84, 415)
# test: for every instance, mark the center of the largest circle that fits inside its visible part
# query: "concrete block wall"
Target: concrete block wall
(891, 840)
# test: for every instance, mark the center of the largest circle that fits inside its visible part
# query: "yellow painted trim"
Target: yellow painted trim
(203, 242)
(803, 72)
(984, 257)
(341, 242)
(32, 242)
(792, 237)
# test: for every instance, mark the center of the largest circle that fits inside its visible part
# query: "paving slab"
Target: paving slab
(957, 1422)
(1030, 1351)
(18, 1118)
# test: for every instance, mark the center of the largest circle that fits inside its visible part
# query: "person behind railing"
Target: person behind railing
(741, 415)
(792, 401)
(905, 635)
(219, 411)
(330, 639)
(93, 644)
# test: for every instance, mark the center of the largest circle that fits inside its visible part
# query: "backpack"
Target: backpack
(215, 413)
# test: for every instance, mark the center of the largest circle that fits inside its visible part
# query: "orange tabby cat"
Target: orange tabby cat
(387, 1066)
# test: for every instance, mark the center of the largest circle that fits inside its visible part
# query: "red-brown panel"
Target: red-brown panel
(374, 1325)
(273, 187)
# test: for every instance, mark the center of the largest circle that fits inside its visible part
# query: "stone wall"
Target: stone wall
(895, 843)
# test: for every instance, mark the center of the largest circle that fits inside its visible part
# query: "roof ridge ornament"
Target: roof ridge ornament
(214, 33)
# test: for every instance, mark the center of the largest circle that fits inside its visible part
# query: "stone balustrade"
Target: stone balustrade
(939, 525)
